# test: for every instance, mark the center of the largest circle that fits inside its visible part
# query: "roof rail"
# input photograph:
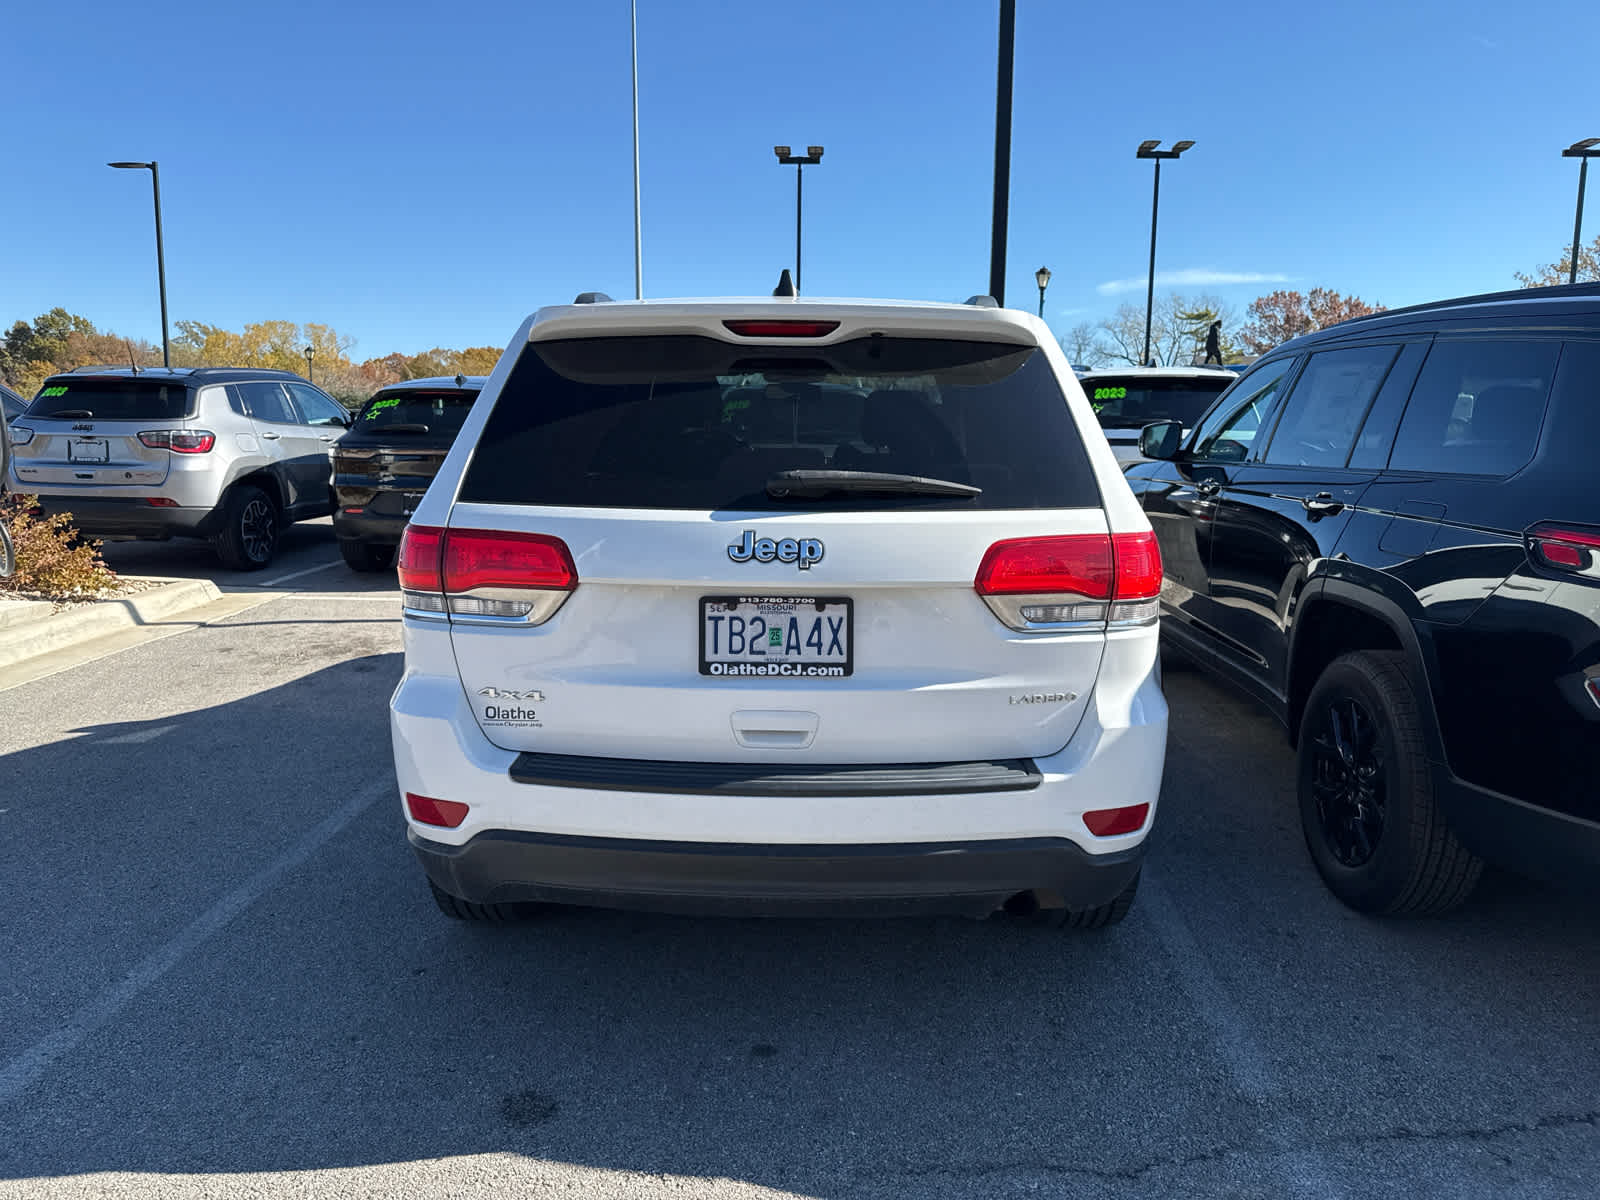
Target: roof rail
(593, 298)
(139, 370)
(982, 302)
(1555, 291)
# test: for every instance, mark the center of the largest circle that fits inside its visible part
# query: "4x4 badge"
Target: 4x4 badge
(505, 694)
(803, 552)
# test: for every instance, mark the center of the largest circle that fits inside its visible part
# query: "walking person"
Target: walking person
(1214, 344)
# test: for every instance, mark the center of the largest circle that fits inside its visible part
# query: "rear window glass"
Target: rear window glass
(692, 422)
(112, 400)
(436, 412)
(1131, 402)
(1477, 407)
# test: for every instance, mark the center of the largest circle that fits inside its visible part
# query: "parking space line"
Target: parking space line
(26, 1068)
(1305, 1172)
(296, 574)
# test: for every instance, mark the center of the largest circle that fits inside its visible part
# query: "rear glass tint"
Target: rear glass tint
(439, 412)
(1132, 402)
(695, 423)
(1476, 408)
(112, 400)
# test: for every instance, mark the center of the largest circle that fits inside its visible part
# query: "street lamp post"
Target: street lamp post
(310, 353)
(1583, 151)
(1042, 278)
(1148, 150)
(638, 228)
(161, 262)
(810, 158)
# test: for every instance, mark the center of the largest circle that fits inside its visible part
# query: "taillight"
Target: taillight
(483, 573)
(1109, 822)
(782, 328)
(1072, 581)
(447, 814)
(20, 435)
(418, 567)
(179, 441)
(1563, 547)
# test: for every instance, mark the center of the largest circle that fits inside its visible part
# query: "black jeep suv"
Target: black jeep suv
(383, 466)
(1389, 532)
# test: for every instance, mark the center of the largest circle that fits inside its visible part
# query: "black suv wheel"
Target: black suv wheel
(1371, 821)
(364, 556)
(249, 535)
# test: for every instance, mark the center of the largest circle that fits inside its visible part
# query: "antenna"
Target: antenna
(461, 380)
(131, 361)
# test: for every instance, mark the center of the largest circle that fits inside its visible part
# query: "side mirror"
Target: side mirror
(1161, 440)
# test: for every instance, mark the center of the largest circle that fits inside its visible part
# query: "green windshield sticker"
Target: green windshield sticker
(380, 405)
(1110, 393)
(54, 391)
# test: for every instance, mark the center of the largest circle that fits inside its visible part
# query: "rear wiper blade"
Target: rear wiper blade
(69, 412)
(808, 485)
(1127, 422)
(402, 427)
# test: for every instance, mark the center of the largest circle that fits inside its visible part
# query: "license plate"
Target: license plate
(88, 450)
(765, 637)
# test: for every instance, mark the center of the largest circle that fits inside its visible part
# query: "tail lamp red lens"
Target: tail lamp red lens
(447, 814)
(179, 441)
(484, 558)
(484, 574)
(1072, 579)
(782, 328)
(1563, 547)
(420, 559)
(1109, 822)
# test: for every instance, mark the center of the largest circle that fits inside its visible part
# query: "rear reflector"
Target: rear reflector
(794, 329)
(1109, 822)
(1594, 688)
(447, 814)
(1072, 581)
(161, 502)
(1563, 547)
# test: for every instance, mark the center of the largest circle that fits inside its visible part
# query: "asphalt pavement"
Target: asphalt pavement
(221, 975)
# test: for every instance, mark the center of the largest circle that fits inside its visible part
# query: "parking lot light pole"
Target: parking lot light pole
(810, 158)
(1148, 150)
(1042, 278)
(1583, 151)
(161, 262)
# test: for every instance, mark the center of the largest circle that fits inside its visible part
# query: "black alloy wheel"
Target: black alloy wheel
(258, 530)
(1348, 779)
(249, 534)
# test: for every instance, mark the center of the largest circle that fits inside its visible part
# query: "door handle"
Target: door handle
(326, 437)
(1322, 504)
(271, 437)
(1208, 487)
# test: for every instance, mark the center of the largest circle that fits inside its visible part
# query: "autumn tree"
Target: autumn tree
(55, 341)
(1559, 271)
(1281, 315)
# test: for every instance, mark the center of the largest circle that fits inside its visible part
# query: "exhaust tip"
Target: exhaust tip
(1023, 904)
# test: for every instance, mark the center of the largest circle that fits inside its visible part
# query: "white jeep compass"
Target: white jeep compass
(781, 606)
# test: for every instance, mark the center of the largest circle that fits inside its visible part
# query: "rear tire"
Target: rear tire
(364, 556)
(1372, 823)
(1101, 916)
(249, 535)
(458, 909)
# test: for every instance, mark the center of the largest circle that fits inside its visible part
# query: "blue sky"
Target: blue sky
(418, 175)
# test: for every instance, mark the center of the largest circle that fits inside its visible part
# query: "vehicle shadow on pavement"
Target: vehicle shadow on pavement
(332, 1018)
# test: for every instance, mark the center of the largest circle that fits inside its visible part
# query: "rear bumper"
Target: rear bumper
(134, 517)
(966, 878)
(374, 529)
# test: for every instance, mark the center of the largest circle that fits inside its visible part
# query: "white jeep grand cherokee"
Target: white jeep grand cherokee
(781, 606)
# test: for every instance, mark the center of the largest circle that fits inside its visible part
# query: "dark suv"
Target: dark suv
(1388, 532)
(385, 463)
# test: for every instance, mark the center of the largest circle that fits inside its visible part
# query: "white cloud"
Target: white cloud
(1190, 277)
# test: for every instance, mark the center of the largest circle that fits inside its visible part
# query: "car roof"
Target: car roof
(1561, 305)
(1219, 373)
(436, 382)
(180, 374)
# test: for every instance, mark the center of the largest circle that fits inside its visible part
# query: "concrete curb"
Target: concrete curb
(32, 638)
